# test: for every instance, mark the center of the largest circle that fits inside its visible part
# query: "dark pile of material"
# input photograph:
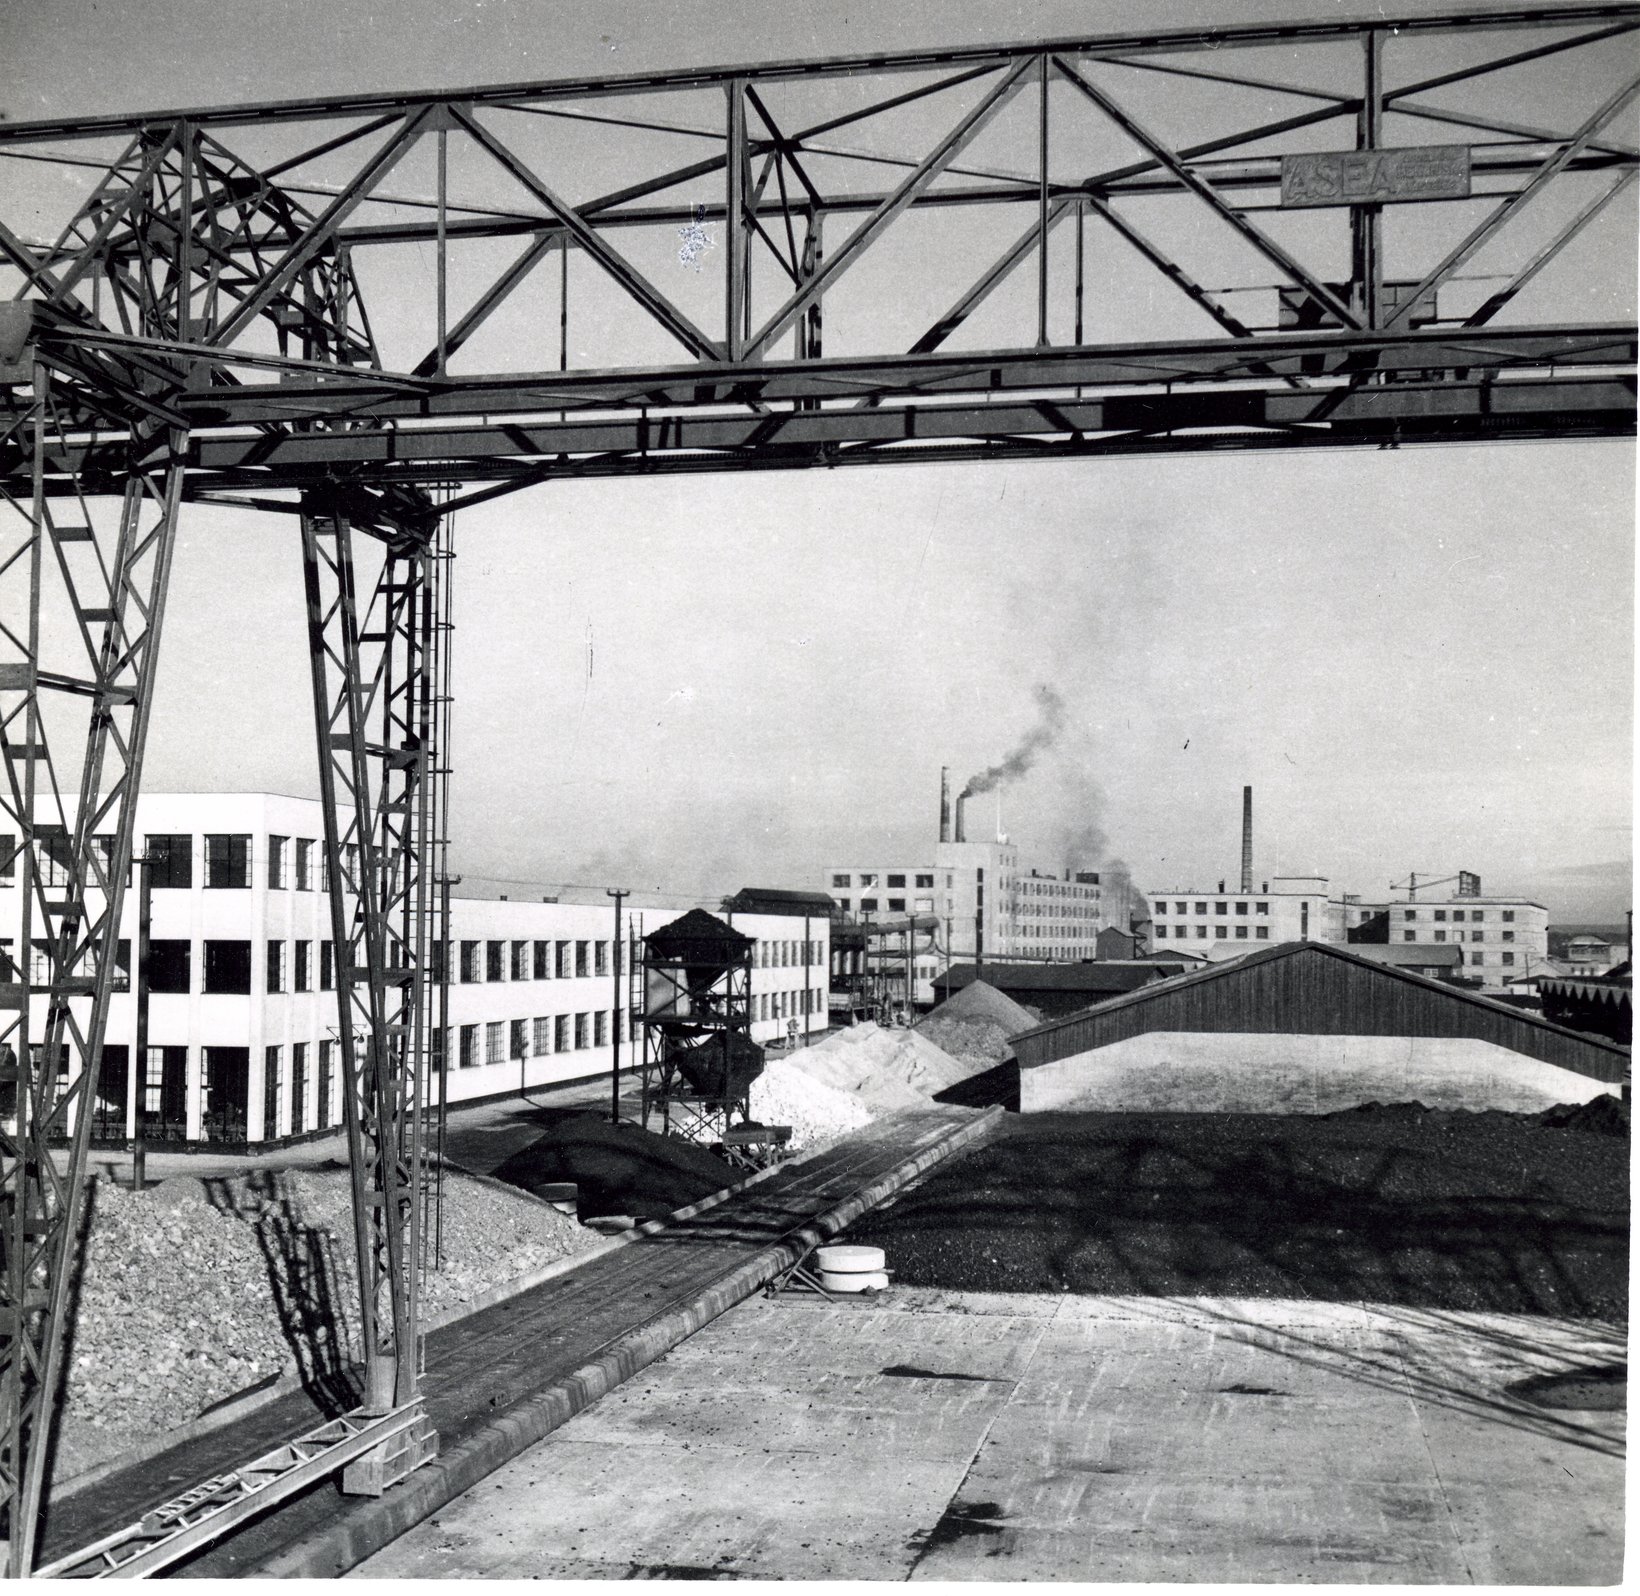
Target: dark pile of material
(1454, 1211)
(1604, 1115)
(619, 1169)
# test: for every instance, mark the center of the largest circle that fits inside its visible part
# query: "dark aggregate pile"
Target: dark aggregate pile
(1486, 1211)
(619, 1169)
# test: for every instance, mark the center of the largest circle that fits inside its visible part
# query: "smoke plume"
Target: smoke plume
(1124, 903)
(1035, 743)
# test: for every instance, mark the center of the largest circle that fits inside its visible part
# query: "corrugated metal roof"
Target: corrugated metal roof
(1408, 952)
(1231, 972)
(1103, 975)
(780, 900)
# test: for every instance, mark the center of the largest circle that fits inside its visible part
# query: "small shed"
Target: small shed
(1308, 1027)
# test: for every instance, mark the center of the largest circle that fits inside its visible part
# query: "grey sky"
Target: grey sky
(1421, 660)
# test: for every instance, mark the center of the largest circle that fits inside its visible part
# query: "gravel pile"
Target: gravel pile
(979, 1000)
(785, 1094)
(1492, 1212)
(980, 1043)
(195, 1290)
(887, 1069)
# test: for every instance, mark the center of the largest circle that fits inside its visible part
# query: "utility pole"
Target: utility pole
(909, 933)
(617, 893)
(145, 904)
(445, 882)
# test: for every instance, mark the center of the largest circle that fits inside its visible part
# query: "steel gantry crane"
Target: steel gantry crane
(1157, 242)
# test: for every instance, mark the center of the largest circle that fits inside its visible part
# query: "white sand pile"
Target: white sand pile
(786, 1095)
(887, 1069)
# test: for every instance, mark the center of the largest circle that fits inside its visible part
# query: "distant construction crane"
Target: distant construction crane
(195, 330)
(1469, 884)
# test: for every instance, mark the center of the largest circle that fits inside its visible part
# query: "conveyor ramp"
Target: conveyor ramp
(499, 1380)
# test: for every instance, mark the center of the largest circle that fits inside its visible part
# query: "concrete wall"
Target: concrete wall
(1239, 1073)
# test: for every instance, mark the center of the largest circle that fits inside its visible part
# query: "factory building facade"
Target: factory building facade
(242, 1033)
(986, 904)
(1495, 938)
(1285, 909)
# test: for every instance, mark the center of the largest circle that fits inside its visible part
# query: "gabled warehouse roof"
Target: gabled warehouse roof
(1414, 953)
(1317, 988)
(780, 900)
(1094, 977)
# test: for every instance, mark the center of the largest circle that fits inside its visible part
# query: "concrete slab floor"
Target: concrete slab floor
(948, 1435)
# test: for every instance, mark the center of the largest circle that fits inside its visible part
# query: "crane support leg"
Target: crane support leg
(374, 683)
(82, 599)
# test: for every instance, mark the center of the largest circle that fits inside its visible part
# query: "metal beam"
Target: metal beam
(1407, 24)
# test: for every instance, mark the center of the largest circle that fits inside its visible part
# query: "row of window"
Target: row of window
(1476, 916)
(1219, 908)
(1457, 936)
(869, 878)
(158, 1097)
(227, 966)
(502, 1040)
(1260, 933)
(787, 1005)
(274, 1094)
(528, 960)
(895, 905)
(293, 862)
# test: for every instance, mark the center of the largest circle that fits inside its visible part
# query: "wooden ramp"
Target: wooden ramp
(502, 1378)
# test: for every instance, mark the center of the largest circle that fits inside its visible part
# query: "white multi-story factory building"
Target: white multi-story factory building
(243, 1010)
(983, 899)
(1500, 937)
(1285, 909)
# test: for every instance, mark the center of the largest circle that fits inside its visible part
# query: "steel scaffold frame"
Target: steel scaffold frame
(375, 679)
(111, 579)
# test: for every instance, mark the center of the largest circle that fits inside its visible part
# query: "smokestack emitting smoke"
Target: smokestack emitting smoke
(945, 803)
(1035, 743)
(1246, 839)
(961, 802)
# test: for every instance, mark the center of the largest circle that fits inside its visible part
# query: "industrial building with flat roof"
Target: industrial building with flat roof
(242, 1037)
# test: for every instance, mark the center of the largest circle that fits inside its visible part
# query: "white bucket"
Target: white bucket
(843, 1259)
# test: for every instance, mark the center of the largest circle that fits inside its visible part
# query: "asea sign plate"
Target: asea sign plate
(1376, 177)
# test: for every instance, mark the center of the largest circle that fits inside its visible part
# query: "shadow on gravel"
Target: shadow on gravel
(1468, 1364)
(1430, 1211)
(311, 1292)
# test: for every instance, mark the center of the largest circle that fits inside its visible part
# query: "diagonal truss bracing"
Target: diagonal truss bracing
(84, 586)
(375, 688)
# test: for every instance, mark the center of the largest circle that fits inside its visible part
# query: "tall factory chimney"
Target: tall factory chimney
(945, 803)
(962, 803)
(1246, 839)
